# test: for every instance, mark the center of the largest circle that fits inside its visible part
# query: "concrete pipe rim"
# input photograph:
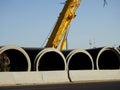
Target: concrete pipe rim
(21, 50)
(118, 50)
(75, 51)
(46, 50)
(37, 56)
(104, 49)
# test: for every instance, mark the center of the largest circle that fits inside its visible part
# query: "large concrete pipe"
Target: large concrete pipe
(104, 55)
(108, 58)
(78, 59)
(19, 59)
(49, 59)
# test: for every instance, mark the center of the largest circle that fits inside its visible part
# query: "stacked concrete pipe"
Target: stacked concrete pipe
(105, 57)
(49, 59)
(49, 65)
(19, 59)
(108, 58)
(77, 60)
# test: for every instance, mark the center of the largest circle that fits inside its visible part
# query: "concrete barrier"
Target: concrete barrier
(7, 78)
(94, 75)
(55, 76)
(30, 78)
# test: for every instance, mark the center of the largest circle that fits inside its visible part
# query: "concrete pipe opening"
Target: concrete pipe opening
(49, 59)
(79, 60)
(19, 59)
(108, 58)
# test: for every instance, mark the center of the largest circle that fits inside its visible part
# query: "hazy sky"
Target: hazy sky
(27, 23)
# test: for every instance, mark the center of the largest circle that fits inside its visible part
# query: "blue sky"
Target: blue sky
(27, 23)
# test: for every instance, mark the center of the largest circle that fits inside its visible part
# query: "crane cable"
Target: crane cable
(46, 39)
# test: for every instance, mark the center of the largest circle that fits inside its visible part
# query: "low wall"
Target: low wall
(25, 78)
(94, 75)
(57, 77)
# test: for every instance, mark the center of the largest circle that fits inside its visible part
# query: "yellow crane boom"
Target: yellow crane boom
(63, 22)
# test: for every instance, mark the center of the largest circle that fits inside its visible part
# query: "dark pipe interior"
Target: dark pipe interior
(94, 52)
(18, 61)
(108, 60)
(66, 52)
(32, 52)
(51, 61)
(80, 61)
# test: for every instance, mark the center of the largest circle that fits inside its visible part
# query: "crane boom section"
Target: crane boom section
(63, 22)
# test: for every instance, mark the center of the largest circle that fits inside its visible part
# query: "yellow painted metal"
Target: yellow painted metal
(63, 22)
(63, 44)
